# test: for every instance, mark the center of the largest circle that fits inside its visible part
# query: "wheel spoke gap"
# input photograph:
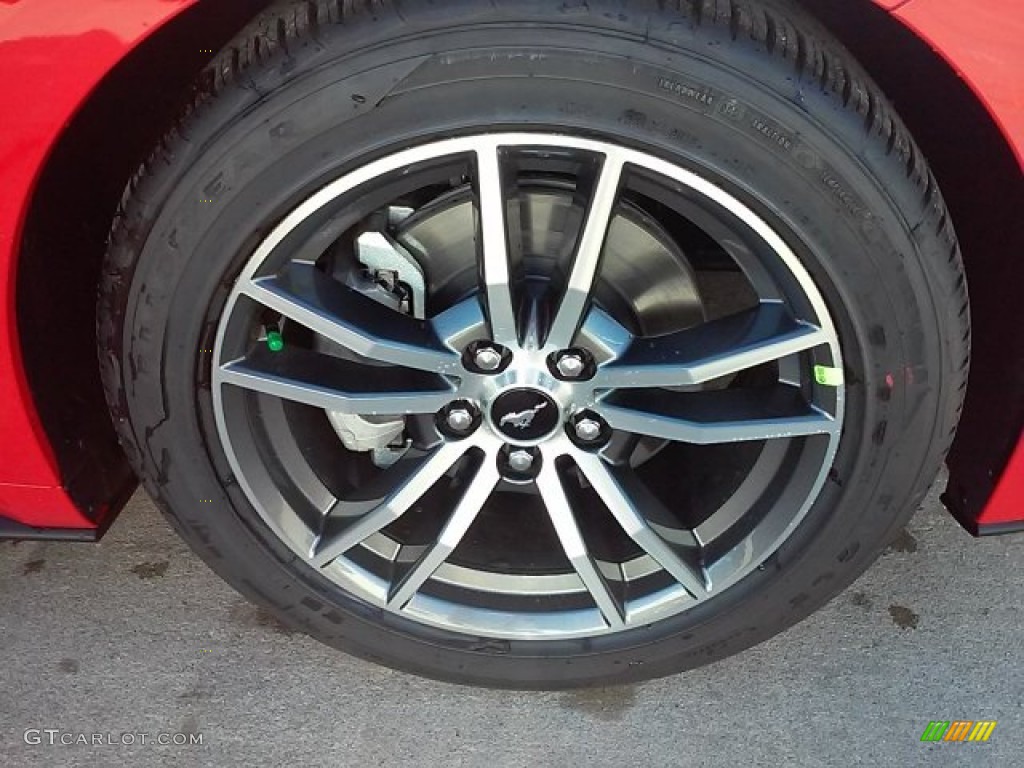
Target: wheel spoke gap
(478, 490)
(714, 350)
(626, 498)
(410, 479)
(327, 382)
(347, 317)
(717, 416)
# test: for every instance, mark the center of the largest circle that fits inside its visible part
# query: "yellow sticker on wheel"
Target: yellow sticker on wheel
(828, 377)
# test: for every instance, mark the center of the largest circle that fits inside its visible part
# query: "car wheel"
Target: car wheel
(536, 344)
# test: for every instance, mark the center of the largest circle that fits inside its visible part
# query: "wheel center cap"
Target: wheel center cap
(525, 415)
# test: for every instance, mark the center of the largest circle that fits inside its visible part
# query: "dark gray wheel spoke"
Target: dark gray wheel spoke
(710, 351)
(568, 531)
(328, 382)
(626, 497)
(352, 320)
(722, 416)
(576, 298)
(478, 490)
(409, 479)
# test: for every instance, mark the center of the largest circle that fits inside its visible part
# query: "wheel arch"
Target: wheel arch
(63, 238)
(979, 174)
(971, 158)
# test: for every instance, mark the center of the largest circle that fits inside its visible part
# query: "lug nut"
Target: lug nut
(460, 419)
(518, 465)
(520, 461)
(572, 364)
(487, 359)
(588, 430)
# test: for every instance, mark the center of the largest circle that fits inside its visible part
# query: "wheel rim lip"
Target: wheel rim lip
(563, 624)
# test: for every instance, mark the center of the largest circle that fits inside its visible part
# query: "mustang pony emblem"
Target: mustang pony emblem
(523, 419)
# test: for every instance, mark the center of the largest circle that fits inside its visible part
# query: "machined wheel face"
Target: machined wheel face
(528, 386)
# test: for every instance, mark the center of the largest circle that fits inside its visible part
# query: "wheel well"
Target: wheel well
(980, 178)
(976, 169)
(65, 233)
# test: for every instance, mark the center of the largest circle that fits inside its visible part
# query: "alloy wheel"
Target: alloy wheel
(432, 392)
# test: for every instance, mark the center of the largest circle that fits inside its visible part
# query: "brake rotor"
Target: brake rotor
(645, 281)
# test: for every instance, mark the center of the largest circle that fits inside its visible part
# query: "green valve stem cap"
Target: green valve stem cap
(828, 377)
(275, 341)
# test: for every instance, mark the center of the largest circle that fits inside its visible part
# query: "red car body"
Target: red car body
(88, 85)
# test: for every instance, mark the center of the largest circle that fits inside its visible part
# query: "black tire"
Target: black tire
(754, 93)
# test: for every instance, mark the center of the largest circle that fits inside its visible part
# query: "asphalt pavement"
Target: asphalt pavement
(134, 638)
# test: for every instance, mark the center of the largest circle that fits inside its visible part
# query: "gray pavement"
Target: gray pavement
(136, 636)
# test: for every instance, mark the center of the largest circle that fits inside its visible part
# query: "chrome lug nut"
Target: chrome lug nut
(519, 465)
(588, 430)
(520, 461)
(460, 419)
(488, 359)
(571, 366)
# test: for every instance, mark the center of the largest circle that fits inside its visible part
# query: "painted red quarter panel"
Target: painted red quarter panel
(53, 53)
(982, 39)
(1006, 507)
